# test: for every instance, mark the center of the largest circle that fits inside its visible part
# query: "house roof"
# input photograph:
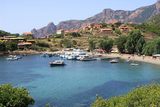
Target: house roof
(107, 29)
(24, 43)
(27, 33)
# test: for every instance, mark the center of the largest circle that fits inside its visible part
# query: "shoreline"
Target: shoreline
(146, 59)
(27, 52)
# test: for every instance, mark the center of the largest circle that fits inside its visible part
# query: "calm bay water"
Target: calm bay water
(77, 83)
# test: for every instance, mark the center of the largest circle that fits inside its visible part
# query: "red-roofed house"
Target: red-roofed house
(107, 31)
(23, 45)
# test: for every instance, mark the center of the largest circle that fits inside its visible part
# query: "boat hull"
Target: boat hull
(54, 65)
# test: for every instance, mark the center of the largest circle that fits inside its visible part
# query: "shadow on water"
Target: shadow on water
(107, 90)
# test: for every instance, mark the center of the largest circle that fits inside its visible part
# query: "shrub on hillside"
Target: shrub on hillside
(145, 96)
(43, 44)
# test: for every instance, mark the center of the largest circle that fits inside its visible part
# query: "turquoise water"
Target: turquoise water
(77, 83)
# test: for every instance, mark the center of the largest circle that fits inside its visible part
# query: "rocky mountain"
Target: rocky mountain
(45, 31)
(70, 24)
(107, 16)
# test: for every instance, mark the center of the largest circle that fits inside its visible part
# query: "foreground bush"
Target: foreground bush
(14, 97)
(145, 96)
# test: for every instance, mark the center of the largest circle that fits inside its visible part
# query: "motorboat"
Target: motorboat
(134, 64)
(86, 58)
(13, 57)
(57, 63)
(114, 61)
(71, 57)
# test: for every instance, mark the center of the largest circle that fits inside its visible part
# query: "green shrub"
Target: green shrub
(11, 46)
(106, 44)
(43, 44)
(120, 42)
(14, 97)
(66, 43)
(145, 96)
(37, 48)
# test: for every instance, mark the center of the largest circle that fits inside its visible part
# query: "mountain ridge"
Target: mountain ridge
(108, 15)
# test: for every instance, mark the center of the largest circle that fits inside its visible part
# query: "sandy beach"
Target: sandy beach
(147, 59)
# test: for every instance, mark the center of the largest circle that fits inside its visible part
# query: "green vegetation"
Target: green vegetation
(152, 47)
(92, 44)
(8, 46)
(66, 43)
(135, 42)
(153, 25)
(2, 46)
(145, 96)
(106, 44)
(57, 36)
(43, 44)
(11, 46)
(14, 97)
(3, 33)
(74, 34)
(120, 42)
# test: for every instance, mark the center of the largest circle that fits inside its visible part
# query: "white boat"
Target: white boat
(86, 58)
(134, 64)
(12, 58)
(71, 57)
(81, 57)
(114, 61)
(78, 52)
(57, 63)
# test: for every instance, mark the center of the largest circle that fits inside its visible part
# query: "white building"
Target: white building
(61, 31)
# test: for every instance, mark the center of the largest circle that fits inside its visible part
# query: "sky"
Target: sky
(19, 16)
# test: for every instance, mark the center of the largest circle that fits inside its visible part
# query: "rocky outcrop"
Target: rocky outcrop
(71, 24)
(45, 31)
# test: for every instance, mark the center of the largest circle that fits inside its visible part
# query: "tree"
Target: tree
(3, 33)
(44, 44)
(14, 97)
(149, 48)
(152, 47)
(92, 44)
(144, 96)
(135, 42)
(2, 46)
(140, 45)
(75, 34)
(120, 42)
(157, 46)
(106, 44)
(118, 32)
(11, 46)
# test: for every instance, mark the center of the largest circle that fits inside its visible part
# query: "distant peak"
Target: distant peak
(158, 1)
(51, 23)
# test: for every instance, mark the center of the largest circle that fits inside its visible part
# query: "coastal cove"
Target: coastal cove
(77, 83)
